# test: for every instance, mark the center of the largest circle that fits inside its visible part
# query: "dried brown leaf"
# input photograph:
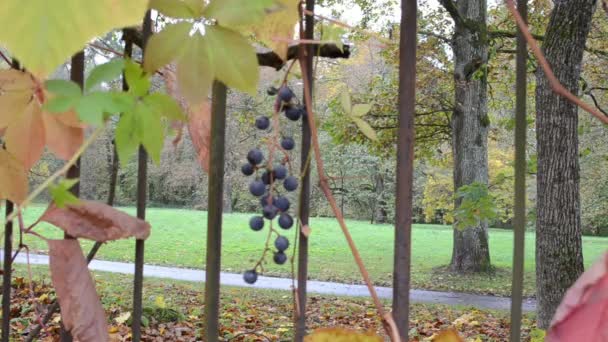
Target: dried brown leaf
(81, 311)
(96, 221)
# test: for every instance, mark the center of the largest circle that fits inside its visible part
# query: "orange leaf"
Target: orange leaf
(62, 138)
(199, 119)
(341, 335)
(449, 335)
(96, 221)
(25, 136)
(13, 178)
(16, 91)
(81, 311)
(199, 127)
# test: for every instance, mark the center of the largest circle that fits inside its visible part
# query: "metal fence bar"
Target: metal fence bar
(304, 208)
(142, 195)
(405, 167)
(215, 210)
(7, 274)
(519, 221)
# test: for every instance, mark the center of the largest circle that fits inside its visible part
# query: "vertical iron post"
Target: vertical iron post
(214, 211)
(519, 222)
(405, 166)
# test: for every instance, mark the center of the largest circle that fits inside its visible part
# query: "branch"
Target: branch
(450, 7)
(557, 87)
(270, 58)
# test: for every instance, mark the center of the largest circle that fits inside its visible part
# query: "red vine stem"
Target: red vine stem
(389, 324)
(555, 84)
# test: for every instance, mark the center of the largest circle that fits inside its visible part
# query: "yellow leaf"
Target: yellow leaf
(166, 46)
(341, 335)
(365, 128)
(159, 301)
(360, 110)
(278, 27)
(345, 101)
(194, 72)
(121, 319)
(233, 59)
(449, 335)
(44, 34)
(113, 330)
(178, 8)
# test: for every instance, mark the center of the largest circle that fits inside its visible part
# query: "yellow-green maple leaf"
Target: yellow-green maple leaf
(278, 27)
(43, 34)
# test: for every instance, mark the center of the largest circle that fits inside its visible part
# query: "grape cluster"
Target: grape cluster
(272, 182)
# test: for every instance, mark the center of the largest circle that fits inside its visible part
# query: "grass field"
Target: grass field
(178, 238)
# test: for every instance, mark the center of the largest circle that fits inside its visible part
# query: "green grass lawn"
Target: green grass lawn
(178, 238)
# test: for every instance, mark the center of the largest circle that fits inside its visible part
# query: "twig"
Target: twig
(387, 319)
(8, 61)
(555, 84)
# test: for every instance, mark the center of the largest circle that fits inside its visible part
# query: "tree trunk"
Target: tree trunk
(470, 125)
(380, 212)
(559, 257)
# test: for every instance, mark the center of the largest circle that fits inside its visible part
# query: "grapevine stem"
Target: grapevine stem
(389, 323)
(57, 174)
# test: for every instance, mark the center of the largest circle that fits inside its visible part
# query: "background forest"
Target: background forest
(362, 171)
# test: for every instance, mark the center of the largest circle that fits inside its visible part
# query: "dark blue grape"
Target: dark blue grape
(285, 94)
(285, 221)
(250, 276)
(294, 113)
(281, 243)
(257, 188)
(288, 143)
(255, 156)
(280, 258)
(282, 203)
(270, 211)
(256, 223)
(266, 177)
(247, 169)
(279, 172)
(264, 200)
(290, 183)
(262, 122)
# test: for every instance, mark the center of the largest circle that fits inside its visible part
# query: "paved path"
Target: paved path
(320, 287)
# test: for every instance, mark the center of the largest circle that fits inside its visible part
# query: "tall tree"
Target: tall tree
(470, 124)
(559, 257)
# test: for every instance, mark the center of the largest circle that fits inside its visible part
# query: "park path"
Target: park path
(319, 287)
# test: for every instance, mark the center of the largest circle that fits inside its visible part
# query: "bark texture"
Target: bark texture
(470, 124)
(559, 257)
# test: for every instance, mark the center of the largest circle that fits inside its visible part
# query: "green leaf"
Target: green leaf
(234, 13)
(63, 88)
(194, 72)
(44, 34)
(233, 59)
(166, 46)
(365, 128)
(165, 105)
(60, 193)
(138, 81)
(104, 73)
(151, 131)
(127, 137)
(90, 108)
(345, 101)
(360, 110)
(186, 9)
(60, 104)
